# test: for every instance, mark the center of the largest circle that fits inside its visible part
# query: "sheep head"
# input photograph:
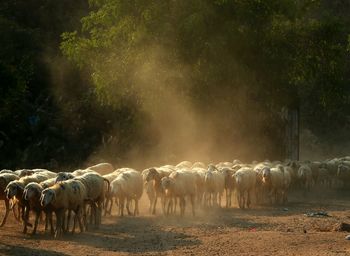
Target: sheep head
(47, 196)
(266, 175)
(31, 191)
(12, 189)
(62, 176)
(152, 174)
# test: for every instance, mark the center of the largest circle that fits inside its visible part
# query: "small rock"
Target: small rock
(347, 237)
(285, 209)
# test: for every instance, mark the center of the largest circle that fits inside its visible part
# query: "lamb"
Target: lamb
(244, 181)
(32, 193)
(180, 184)
(102, 168)
(66, 195)
(5, 179)
(128, 185)
(214, 182)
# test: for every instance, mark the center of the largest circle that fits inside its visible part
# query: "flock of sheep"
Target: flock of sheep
(89, 193)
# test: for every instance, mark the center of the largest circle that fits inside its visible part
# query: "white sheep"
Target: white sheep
(102, 168)
(95, 186)
(127, 186)
(109, 197)
(305, 176)
(214, 182)
(277, 181)
(180, 184)
(244, 182)
(184, 164)
(229, 183)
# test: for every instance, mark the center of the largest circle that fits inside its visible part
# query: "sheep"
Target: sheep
(214, 182)
(198, 164)
(128, 185)
(260, 190)
(95, 189)
(305, 176)
(200, 183)
(180, 184)
(5, 179)
(224, 164)
(184, 164)
(6, 171)
(155, 175)
(277, 181)
(229, 183)
(48, 183)
(32, 194)
(102, 168)
(244, 182)
(62, 196)
(343, 173)
(15, 188)
(324, 178)
(148, 187)
(61, 176)
(109, 197)
(28, 172)
(95, 186)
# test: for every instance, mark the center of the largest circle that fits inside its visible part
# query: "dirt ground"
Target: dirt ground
(262, 230)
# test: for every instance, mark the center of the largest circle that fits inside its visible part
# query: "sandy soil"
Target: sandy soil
(262, 230)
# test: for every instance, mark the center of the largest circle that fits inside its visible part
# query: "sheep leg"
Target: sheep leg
(248, 199)
(192, 203)
(238, 199)
(25, 218)
(169, 204)
(127, 206)
(66, 229)
(183, 206)
(98, 215)
(37, 216)
(7, 204)
(110, 206)
(122, 203)
(59, 219)
(162, 202)
(228, 197)
(154, 206)
(106, 205)
(136, 212)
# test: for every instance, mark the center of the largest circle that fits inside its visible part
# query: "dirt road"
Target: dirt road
(263, 230)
